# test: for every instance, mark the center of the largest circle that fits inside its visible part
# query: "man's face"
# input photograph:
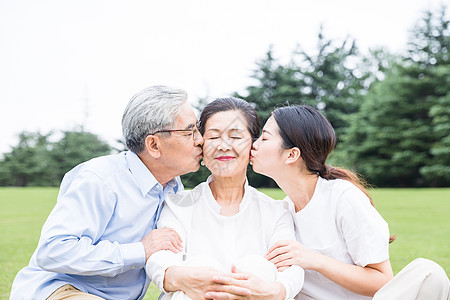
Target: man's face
(181, 150)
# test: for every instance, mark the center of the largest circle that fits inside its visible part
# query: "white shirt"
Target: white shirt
(195, 215)
(341, 223)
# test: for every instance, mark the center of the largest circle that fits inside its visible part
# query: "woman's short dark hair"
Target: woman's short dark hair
(231, 103)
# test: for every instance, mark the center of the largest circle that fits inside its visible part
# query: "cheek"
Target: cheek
(208, 148)
(243, 149)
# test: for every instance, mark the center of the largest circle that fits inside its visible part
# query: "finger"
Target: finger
(167, 245)
(224, 280)
(177, 246)
(219, 296)
(230, 293)
(281, 269)
(238, 274)
(169, 236)
(173, 239)
(282, 257)
(285, 263)
(277, 251)
(177, 236)
(278, 244)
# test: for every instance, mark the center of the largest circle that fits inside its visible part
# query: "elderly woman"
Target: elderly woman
(224, 219)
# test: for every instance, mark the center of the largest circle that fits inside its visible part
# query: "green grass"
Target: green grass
(419, 218)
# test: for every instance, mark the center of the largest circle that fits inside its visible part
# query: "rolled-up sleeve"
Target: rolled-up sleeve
(160, 261)
(293, 277)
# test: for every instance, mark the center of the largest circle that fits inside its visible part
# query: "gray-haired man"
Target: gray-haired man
(102, 230)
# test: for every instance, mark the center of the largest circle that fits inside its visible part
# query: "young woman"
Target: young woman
(341, 240)
(224, 219)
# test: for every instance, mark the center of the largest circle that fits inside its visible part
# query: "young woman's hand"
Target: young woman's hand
(360, 280)
(287, 253)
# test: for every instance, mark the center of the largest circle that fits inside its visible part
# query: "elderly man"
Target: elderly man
(97, 239)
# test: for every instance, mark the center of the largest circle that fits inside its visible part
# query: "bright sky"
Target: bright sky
(60, 59)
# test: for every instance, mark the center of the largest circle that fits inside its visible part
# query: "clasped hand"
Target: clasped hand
(238, 285)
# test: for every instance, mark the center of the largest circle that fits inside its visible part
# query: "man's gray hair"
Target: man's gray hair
(152, 109)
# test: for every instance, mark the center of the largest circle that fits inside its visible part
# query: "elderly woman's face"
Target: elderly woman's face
(227, 144)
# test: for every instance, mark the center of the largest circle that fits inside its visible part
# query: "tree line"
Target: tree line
(391, 112)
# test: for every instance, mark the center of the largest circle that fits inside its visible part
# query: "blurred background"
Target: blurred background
(379, 71)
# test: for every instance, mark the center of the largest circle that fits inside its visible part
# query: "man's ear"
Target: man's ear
(292, 155)
(153, 146)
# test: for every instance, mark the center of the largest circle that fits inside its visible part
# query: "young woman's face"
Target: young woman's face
(266, 153)
(227, 144)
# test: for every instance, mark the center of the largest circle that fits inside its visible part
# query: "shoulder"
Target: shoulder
(102, 167)
(347, 198)
(106, 166)
(94, 172)
(186, 198)
(267, 201)
(341, 189)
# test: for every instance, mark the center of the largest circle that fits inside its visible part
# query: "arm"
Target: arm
(361, 280)
(288, 282)
(367, 239)
(71, 237)
(293, 276)
(71, 240)
(166, 269)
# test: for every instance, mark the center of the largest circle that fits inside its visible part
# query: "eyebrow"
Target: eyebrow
(232, 129)
(190, 126)
(265, 131)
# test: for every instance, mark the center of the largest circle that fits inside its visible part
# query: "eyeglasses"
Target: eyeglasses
(192, 131)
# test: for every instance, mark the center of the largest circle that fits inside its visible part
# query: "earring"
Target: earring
(202, 163)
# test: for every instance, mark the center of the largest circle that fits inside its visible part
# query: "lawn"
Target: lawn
(419, 218)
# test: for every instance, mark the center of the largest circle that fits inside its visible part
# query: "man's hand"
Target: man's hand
(161, 239)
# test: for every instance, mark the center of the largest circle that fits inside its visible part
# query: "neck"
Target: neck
(298, 185)
(161, 173)
(228, 192)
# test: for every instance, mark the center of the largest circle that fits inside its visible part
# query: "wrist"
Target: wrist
(279, 291)
(319, 263)
(170, 283)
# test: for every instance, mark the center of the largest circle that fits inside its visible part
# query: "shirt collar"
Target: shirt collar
(144, 178)
(213, 203)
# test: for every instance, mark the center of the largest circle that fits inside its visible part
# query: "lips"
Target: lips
(225, 158)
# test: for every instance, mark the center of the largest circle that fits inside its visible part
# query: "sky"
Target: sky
(69, 63)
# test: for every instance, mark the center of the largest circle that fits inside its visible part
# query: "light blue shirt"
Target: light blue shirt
(91, 239)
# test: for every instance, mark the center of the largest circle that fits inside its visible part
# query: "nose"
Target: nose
(256, 144)
(198, 138)
(223, 145)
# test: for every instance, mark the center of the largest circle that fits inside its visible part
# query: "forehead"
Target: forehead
(226, 120)
(271, 125)
(186, 116)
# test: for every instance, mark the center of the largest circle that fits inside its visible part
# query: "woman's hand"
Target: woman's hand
(360, 280)
(195, 282)
(287, 253)
(246, 286)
